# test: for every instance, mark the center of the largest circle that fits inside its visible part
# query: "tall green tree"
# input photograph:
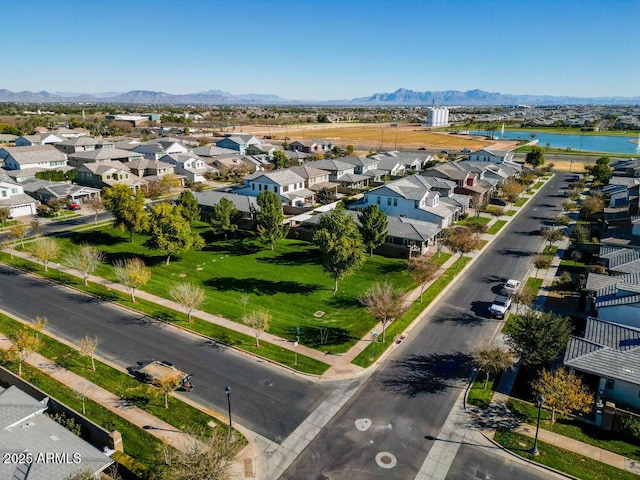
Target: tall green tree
(270, 218)
(170, 231)
(224, 217)
(535, 157)
(188, 206)
(280, 159)
(537, 338)
(492, 359)
(127, 208)
(373, 226)
(340, 245)
(601, 171)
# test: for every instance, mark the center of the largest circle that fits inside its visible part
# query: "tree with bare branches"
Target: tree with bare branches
(542, 262)
(25, 342)
(384, 303)
(258, 321)
(85, 259)
(18, 232)
(132, 273)
(462, 242)
(45, 249)
(189, 296)
(167, 384)
(96, 205)
(88, 346)
(422, 270)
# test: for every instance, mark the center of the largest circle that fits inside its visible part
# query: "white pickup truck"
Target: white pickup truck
(500, 307)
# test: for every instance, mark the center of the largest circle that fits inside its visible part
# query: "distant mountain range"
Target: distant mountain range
(401, 96)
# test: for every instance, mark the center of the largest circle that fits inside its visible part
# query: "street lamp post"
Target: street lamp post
(228, 392)
(374, 336)
(534, 450)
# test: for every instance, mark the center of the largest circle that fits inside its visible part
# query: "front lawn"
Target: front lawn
(521, 201)
(288, 281)
(480, 396)
(562, 460)
(495, 228)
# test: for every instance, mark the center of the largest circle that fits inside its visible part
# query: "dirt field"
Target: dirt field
(379, 136)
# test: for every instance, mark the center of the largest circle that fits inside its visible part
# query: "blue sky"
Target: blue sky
(321, 50)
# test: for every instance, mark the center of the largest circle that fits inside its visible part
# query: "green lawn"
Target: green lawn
(575, 429)
(220, 334)
(521, 201)
(510, 213)
(495, 228)
(534, 284)
(563, 460)
(288, 281)
(480, 396)
(468, 220)
(537, 185)
(550, 249)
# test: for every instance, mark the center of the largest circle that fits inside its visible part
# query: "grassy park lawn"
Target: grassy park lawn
(288, 281)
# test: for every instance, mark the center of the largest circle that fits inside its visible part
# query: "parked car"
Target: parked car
(500, 307)
(511, 287)
(498, 201)
(74, 206)
(466, 150)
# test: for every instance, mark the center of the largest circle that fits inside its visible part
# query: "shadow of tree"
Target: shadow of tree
(95, 237)
(292, 258)
(514, 253)
(261, 287)
(428, 374)
(343, 302)
(317, 337)
(240, 246)
(149, 260)
(466, 319)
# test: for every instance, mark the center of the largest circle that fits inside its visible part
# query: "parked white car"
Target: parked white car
(511, 287)
(500, 307)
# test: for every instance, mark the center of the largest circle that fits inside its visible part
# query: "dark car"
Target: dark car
(498, 201)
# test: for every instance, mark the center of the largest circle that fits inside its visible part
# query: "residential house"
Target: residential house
(620, 260)
(467, 181)
(101, 155)
(213, 151)
(81, 144)
(108, 174)
(157, 148)
(247, 206)
(234, 163)
(56, 452)
(153, 170)
(7, 138)
(367, 166)
(261, 149)
(608, 357)
(311, 146)
(415, 197)
(37, 139)
(391, 166)
(12, 196)
(189, 165)
(25, 158)
(342, 173)
(238, 142)
(286, 183)
(314, 178)
(491, 155)
(45, 190)
(615, 298)
(406, 237)
(71, 132)
(412, 161)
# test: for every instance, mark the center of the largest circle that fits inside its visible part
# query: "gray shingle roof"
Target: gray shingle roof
(243, 203)
(104, 154)
(608, 349)
(621, 260)
(35, 154)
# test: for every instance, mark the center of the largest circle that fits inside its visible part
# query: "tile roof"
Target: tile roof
(621, 260)
(608, 349)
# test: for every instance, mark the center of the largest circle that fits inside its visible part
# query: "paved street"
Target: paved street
(404, 404)
(265, 399)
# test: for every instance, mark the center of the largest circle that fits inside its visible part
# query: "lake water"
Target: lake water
(585, 143)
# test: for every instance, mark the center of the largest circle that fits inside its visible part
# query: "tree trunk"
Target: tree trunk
(421, 291)
(19, 369)
(384, 329)
(553, 414)
(335, 284)
(166, 400)
(371, 252)
(133, 295)
(167, 262)
(93, 364)
(257, 341)
(486, 380)
(189, 316)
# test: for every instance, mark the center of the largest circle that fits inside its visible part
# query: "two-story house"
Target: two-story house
(342, 173)
(24, 158)
(81, 144)
(108, 174)
(100, 155)
(314, 178)
(189, 165)
(311, 146)
(413, 197)
(367, 166)
(286, 183)
(490, 155)
(158, 148)
(12, 196)
(154, 169)
(238, 142)
(467, 181)
(412, 161)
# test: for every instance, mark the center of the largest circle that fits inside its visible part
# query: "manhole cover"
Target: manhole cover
(386, 460)
(318, 314)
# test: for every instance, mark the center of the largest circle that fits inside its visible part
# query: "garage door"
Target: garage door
(21, 210)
